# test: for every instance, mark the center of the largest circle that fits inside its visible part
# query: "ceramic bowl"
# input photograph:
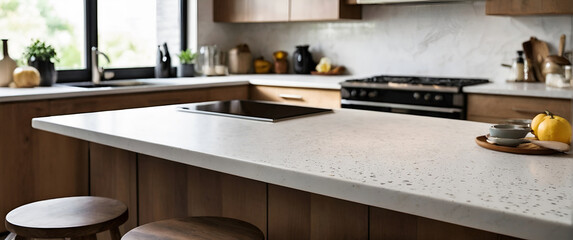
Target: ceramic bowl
(509, 142)
(525, 123)
(508, 131)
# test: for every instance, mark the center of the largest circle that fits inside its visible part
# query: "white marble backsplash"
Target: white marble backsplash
(445, 39)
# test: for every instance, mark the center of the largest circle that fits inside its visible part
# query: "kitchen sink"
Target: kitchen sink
(111, 84)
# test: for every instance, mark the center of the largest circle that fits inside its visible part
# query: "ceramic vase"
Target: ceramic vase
(48, 74)
(302, 60)
(7, 66)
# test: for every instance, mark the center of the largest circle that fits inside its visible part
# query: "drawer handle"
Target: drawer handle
(521, 110)
(290, 96)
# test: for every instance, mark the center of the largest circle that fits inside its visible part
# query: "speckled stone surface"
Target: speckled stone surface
(424, 166)
(164, 84)
(521, 89)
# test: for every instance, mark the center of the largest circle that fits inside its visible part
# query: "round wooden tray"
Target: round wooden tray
(524, 148)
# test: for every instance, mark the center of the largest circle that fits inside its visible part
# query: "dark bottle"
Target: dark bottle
(163, 64)
(302, 60)
(166, 69)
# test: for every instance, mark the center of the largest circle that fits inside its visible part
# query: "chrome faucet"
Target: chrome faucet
(97, 71)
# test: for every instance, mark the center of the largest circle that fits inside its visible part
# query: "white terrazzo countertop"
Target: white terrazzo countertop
(429, 167)
(521, 89)
(164, 84)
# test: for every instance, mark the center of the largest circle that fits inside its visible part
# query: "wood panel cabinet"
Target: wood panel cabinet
(166, 189)
(38, 165)
(283, 10)
(250, 10)
(498, 108)
(325, 98)
(16, 141)
(323, 10)
(528, 7)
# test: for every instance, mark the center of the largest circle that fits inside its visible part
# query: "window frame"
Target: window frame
(91, 30)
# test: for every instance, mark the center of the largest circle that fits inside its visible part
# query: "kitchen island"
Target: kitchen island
(400, 165)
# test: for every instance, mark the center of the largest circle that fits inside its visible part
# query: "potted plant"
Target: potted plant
(186, 66)
(42, 57)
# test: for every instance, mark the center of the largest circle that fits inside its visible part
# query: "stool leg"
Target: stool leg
(115, 235)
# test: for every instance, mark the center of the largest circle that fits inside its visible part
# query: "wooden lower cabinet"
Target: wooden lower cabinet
(498, 108)
(156, 189)
(324, 98)
(16, 144)
(37, 165)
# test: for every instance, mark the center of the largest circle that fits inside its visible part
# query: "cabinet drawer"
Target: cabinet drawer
(497, 108)
(324, 98)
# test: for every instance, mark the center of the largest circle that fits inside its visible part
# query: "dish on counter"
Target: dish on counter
(524, 148)
(508, 131)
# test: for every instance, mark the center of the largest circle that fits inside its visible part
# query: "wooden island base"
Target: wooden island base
(156, 189)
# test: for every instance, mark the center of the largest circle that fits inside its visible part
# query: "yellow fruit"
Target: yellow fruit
(262, 66)
(324, 65)
(279, 55)
(536, 121)
(26, 77)
(554, 128)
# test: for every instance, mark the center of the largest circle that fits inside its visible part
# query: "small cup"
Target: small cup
(508, 131)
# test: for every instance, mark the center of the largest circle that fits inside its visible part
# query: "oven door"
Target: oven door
(453, 113)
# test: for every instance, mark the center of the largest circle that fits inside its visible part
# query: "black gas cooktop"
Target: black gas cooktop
(254, 110)
(415, 80)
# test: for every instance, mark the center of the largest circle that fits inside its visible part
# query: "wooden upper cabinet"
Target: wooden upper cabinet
(317, 10)
(250, 10)
(283, 10)
(528, 7)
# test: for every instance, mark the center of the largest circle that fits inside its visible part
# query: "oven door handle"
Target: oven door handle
(401, 106)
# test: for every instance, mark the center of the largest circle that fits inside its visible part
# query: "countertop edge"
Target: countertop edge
(488, 219)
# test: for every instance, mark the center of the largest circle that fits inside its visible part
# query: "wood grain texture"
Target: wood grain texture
(113, 174)
(332, 218)
(67, 217)
(16, 155)
(213, 228)
(320, 10)
(218, 194)
(162, 189)
(60, 166)
(324, 98)
(289, 213)
(388, 224)
(497, 108)
(528, 7)
(429, 229)
(250, 10)
(245, 11)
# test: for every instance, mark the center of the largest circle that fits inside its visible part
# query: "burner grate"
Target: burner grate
(453, 82)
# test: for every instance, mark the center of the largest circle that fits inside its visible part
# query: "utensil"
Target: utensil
(540, 51)
(528, 50)
(561, 45)
(558, 146)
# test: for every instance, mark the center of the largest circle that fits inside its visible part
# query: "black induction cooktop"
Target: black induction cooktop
(254, 110)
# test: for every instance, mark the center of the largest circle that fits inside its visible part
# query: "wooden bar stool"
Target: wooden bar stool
(195, 228)
(71, 217)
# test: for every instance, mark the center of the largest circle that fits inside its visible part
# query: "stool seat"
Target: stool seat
(71, 217)
(194, 228)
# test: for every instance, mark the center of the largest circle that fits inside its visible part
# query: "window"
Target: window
(128, 31)
(57, 22)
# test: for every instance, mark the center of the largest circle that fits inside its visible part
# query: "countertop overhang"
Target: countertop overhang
(429, 167)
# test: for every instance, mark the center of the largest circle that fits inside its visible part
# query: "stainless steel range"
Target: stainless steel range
(426, 96)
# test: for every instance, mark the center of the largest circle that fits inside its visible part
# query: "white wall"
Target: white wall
(446, 39)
